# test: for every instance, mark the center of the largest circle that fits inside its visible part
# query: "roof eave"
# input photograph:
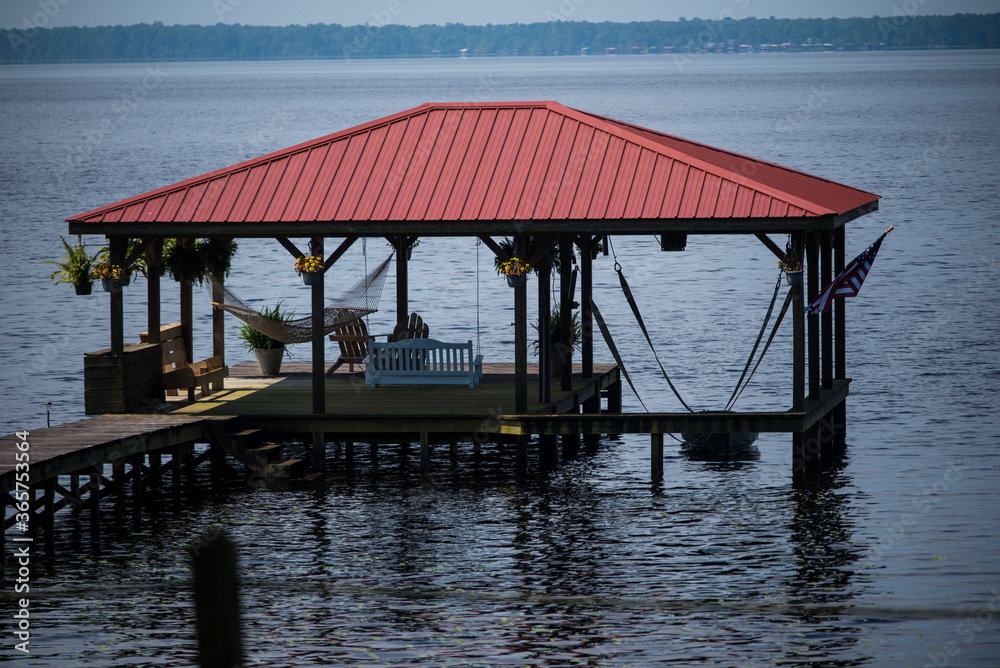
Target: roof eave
(474, 228)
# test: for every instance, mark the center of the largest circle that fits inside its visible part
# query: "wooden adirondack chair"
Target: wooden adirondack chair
(411, 328)
(353, 340)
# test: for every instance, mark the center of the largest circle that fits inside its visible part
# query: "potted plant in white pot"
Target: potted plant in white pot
(268, 351)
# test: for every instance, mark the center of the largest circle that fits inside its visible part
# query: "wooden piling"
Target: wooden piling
(217, 607)
(425, 451)
(656, 456)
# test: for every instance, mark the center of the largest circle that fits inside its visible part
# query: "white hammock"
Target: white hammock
(360, 300)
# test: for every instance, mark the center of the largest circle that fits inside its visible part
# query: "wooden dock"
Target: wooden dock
(76, 464)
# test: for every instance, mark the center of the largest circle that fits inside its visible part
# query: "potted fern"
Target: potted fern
(557, 350)
(74, 267)
(268, 351)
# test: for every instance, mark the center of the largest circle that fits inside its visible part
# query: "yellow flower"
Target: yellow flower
(513, 267)
(103, 270)
(309, 264)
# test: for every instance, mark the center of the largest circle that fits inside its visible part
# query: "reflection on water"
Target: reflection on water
(470, 564)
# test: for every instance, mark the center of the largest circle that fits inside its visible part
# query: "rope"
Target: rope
(781, 315)
(642, 325)
(359, 300)
(763, 328)
(614, 350)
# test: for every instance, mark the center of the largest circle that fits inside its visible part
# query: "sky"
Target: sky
(57, 13)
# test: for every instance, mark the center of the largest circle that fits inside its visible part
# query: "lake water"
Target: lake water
(888, 559)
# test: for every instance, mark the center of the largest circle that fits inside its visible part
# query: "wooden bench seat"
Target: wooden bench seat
(422, 362)
(178, 373)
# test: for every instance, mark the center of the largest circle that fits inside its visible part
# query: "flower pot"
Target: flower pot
(269, 360)
(126, 279)
(515, 280)
(793, 278)
(83, 288)
(311, 278)
(112, 285)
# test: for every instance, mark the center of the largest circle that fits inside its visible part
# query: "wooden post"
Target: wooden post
(402, 280)
(798, 336)
(565, 348)
(812, 262)
(544, 330)
(175, 468)
(318, 357)
(117, 246)
(548, 450)
(154, 259)
(521, 335)
(136, 463)
(591, 404)
(826, 320)
(840, 335)
(586, 312)
(656, 456)
(95, 498)
(217, 606)
(218, 328)
(187, 319)
(425, 451)
(521, 453)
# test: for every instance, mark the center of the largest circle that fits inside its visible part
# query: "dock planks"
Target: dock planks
(75, 446)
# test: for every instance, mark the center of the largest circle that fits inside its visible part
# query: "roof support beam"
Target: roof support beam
(290, 247)
(495, 247)
(336, 255)
(137, 253)
(773, 247)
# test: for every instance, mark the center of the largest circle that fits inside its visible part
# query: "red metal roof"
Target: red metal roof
(507, 161)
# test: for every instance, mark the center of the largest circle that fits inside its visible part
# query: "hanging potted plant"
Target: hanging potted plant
(792, 267)
(516, 270)
(109, 275)
(217, 256)
(74, 267)
(137, 267)
(310, 268)
(268, 351)
(184, 262)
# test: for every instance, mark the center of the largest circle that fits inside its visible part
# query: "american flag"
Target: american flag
(848, 282)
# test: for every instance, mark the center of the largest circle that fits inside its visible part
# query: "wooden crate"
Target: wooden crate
(122, 383)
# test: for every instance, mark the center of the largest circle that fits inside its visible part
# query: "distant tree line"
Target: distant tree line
(244, 42)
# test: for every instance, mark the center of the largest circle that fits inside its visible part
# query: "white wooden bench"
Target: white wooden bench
(422, 362)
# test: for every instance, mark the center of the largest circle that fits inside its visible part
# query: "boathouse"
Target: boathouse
(540, 173)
